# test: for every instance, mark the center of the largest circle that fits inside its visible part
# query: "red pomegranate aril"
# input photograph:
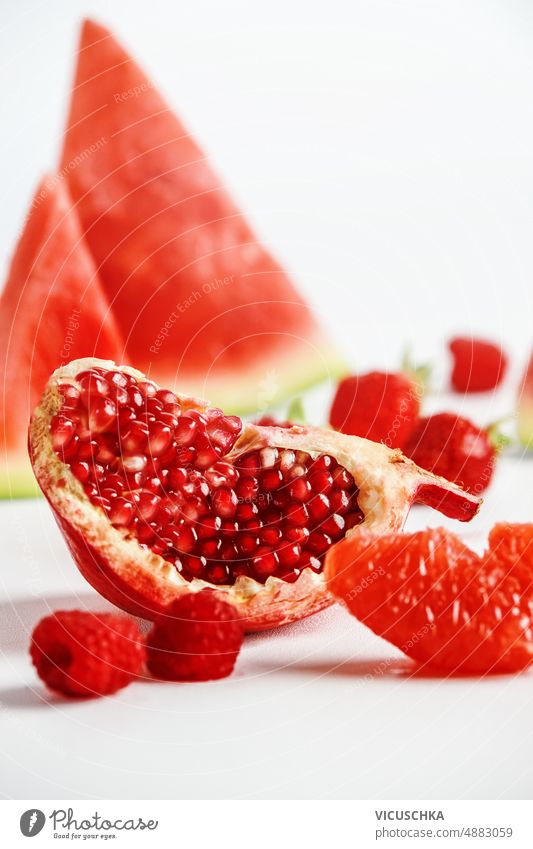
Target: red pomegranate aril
(88, 450)
(268, 457)
(342, 479)
(299, 535)
(271, 516)
(193, 567)
(147, 388)
(270, 535)
(265, 563)
(271, 480)
(118, 395)
(353, 519)
(173, 410)
(166, 397)
(135, 438)
(318, 542)
(247, 489)
(246, 544)
(197, 485)
(145, 532)
(147, 504)
(99, 501)
(70, 396)
(92, 386)
(205, 457)
(134, 464)
(185, 431)
(134, 480)
(80, 471)
(246, 511)
(253, 526)
(208, 527)
(218, 573)
(319, 508)
(125, 416)
(228, 528)
(300, 489)
(159, 439)
(249, 465)
(221, 474)
(117, 378)
(280, 498)
(309, 561)
(113, 481)
(323, 463)
(62, 430)
(178, 477)
(287, 461)
(168, 419)
(228, 551)
(224, 502)
(339, 501)
(334, 526)
(209, 548)
(289, 555)
(135, 399)
(96, 472)
(185, 456)
(184, 538)
(163, 547)
(321, 481)
(296, 513)
(154, 406)
(154, 485)
(70, 451)
(168, 458)
(121, 512)
(106, 450)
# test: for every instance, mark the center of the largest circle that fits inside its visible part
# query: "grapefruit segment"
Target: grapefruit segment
(51, 309)
(200, 302)
(439, 602)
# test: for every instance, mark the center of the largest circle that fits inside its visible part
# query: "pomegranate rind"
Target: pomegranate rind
(144, 583)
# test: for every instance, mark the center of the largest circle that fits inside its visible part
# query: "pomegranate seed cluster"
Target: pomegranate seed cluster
(155, 466)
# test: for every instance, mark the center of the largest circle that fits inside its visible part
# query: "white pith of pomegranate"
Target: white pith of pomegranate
(158, 494)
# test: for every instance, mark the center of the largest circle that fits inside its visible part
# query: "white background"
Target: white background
(385, 151)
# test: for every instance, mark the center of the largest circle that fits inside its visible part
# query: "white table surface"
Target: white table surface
(322, 709)
(384, 150)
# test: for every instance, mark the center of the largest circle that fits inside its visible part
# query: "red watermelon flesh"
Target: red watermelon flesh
(200, 303)
(52, 310)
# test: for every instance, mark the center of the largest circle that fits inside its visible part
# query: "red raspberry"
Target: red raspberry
(380, 406)
(477, 365)
(87, 654)
(197, 640)
(455, 448)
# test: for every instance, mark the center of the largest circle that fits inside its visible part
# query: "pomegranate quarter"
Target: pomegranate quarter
(157, 494)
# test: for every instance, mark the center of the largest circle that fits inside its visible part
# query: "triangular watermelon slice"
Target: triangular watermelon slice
(52, 310)
(201, 304)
